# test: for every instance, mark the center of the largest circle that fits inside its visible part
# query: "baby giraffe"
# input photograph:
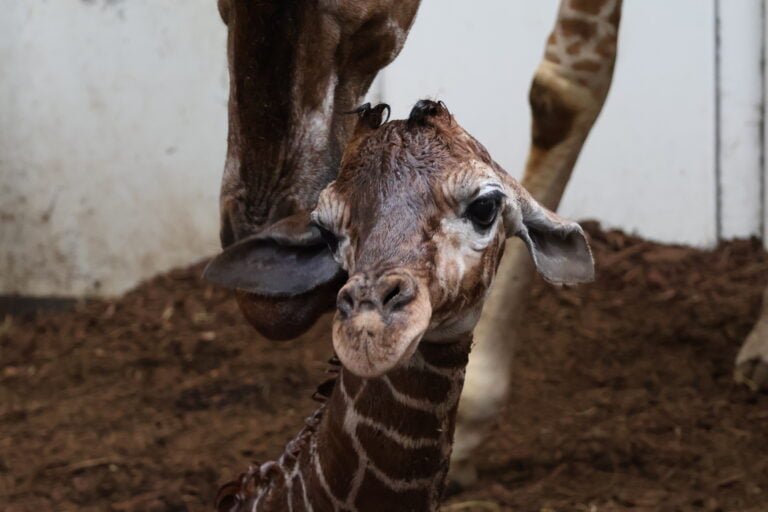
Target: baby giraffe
(417, 218)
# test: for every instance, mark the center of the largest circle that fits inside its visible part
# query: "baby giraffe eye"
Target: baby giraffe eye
(331, 240)
(483, 210)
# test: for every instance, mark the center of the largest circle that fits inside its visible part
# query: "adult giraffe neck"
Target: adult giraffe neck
(377, 444)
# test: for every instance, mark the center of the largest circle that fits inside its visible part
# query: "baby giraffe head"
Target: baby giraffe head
(417, 217)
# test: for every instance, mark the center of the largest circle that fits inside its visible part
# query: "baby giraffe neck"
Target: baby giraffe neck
(377, 444)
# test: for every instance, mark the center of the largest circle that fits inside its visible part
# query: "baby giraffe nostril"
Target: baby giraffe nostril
(345, 303)
(398, 292)
(383, 295)
(394, 292)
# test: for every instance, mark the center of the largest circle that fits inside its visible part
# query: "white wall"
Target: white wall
(112, 139)
(113, 125)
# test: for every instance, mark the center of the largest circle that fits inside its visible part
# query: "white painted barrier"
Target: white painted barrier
(112, 139)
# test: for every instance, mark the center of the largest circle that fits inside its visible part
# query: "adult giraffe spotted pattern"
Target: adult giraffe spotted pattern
(417, 218)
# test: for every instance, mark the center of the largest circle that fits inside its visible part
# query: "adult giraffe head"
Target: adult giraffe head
(417, 217)
(296, 67)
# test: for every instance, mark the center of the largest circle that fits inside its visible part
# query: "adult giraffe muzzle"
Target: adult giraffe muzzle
(296, 67)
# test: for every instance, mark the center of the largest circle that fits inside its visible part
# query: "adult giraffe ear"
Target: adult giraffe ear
(285, 277)
(558, 246)
(285, 260)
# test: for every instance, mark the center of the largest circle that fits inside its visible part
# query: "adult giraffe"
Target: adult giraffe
(296, 68)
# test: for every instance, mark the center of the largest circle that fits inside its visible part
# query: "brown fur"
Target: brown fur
(587, 65)
(588, 6)
(606, 47)
(552, 118)
(578, 27)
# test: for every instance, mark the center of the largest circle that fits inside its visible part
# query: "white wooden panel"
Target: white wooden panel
(740, 89)
(112, 140)
(649, 165)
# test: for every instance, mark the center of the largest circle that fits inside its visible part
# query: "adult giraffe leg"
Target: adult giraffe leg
(752, 361)
(567, 94)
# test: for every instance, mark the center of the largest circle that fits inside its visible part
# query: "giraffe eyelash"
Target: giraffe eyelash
(329, 237)
(484, 210)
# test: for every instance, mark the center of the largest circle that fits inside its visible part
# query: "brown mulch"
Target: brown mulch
(622, 396)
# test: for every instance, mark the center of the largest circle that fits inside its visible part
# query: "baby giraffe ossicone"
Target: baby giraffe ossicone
(417, 218)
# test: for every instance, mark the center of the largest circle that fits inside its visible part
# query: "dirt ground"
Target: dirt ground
(622, 398)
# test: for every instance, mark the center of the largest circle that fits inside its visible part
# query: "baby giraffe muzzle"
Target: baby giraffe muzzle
(379, 321)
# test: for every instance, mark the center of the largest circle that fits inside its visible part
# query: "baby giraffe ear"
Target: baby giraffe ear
(558, 246)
